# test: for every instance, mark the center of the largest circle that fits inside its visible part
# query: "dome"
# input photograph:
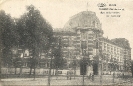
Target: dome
(83, 19)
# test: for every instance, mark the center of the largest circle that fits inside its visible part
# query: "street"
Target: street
(62, 80)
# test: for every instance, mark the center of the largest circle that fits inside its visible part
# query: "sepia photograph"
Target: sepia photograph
(66, 42)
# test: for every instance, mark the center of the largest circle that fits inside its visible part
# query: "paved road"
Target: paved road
(107, 80)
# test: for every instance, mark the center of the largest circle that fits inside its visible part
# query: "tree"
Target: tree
(57, 53)
(35, 34)
(8, 36)
(58, 61)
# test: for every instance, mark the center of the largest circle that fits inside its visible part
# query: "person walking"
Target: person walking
(92, 77)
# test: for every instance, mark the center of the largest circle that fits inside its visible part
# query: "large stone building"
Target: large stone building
(82, 38)
(84, 47)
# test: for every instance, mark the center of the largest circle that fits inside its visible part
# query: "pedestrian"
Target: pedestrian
(67, 75)
(92, 77)
(123, 75)
(113, 77)
(70, 73)
(89, 76)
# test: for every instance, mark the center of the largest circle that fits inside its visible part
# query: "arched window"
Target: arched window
(83, 36)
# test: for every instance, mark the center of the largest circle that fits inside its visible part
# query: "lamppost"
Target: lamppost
(49, 76)
(101, 61)
(83, 63)
(114, 69)
(70, 60)
(101, 70)
(107, 55)
(125, 64)
(83, 49)
(74, 66)
(14, 52)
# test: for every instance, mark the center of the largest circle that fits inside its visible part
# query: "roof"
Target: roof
(121, 42)
(83, 19)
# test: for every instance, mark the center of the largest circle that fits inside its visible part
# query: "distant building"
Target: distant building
(82, 37)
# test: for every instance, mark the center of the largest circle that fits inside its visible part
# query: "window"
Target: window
(84, 44)
(93, 23)
(25, 54)
(83, 36)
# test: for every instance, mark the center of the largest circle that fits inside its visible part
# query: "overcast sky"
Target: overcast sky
(58, 12)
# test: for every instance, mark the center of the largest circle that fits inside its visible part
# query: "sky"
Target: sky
(58, 12)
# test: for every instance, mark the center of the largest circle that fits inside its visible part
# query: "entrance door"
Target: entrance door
(95, 68)
(83, 68)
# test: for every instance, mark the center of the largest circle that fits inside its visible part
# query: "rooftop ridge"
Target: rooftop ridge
(82, 12)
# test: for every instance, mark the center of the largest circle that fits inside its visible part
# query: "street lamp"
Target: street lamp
(83, 63)
(49, 76)
(74, 65)
(101, 71)
(101, 61)
(114, 70)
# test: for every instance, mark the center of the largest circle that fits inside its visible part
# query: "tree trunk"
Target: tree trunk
(53, 71)
(56, 73)
(132, 73)
(22, 63)
(7, 71)
(30, 70)
(74, 72)
(20, 70)
(15, 70)
(49, 76)
(34, 72)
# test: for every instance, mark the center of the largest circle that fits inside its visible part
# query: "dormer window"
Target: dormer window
(95, 24)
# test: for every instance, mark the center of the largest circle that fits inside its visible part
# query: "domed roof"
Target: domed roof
(83, 19)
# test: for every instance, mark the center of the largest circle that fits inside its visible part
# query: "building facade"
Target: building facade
(82, 38)
(84, 47)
